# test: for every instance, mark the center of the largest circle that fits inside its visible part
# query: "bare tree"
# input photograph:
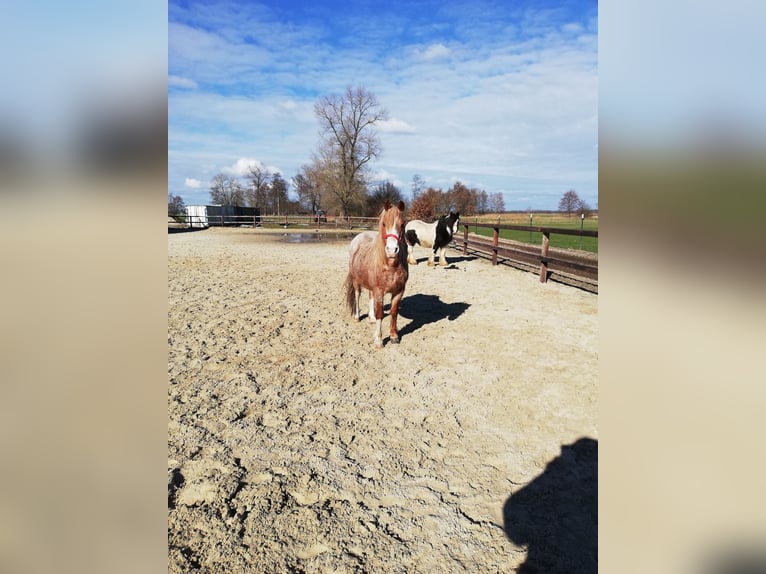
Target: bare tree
(225, 190)
(381, 193)
(496, 202)
(569, 202)
(482, 202)
(278, 193)
(418, 185)
(176, 205)
(333, 185)
(305, 189)
(257, 192)
(583, 209)
(347, 125)
(306, 184)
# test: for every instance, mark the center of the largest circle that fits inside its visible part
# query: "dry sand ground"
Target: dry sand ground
(295, 446)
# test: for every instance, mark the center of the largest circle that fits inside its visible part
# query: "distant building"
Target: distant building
(222, 215)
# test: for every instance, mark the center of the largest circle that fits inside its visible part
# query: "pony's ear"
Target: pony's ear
(401, 205)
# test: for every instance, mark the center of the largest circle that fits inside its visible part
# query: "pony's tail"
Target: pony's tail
(348, 287)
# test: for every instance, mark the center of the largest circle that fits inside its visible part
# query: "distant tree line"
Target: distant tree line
(260, 188)
(428, 204)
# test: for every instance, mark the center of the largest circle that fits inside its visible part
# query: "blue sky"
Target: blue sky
(502, 96)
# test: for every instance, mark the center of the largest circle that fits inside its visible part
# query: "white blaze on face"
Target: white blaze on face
(392, 243)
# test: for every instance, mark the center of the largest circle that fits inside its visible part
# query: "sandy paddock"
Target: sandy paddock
(295, 446)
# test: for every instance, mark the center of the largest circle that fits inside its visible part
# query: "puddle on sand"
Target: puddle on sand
(316, 237)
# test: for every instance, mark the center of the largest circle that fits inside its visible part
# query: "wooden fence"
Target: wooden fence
(310, 221)
(287, 221)
(577, 268)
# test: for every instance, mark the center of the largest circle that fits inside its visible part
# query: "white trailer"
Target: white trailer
(196, 215)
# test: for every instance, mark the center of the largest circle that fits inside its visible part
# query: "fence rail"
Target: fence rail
(318, 223)
(574, 268)
(308, 221)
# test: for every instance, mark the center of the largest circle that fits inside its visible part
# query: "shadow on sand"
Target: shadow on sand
(452, 259)
(176, 228)
(424, 309)
(556, 515)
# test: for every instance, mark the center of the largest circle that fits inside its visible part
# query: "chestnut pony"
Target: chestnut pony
(378, 263)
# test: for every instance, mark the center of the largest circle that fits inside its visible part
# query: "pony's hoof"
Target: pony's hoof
(430, 263)
(394, 340)
(378, 345)
(412, 262)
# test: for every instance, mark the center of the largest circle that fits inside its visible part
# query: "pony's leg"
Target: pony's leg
(371, 314)
(357, 296)
(394, 314)
(431, 257)
(410, 257)
(442, 258)
(378, 333)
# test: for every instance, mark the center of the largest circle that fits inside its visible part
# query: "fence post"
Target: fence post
(495, 236)
(530, 231)
(465, 239)
(544, 257)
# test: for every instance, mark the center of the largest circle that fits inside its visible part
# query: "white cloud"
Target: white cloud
(214, 57)
(181, 82)
(395, 126)
(435, 51)
(573, 28)
(382, 175)
(193, 183)
(242, 166)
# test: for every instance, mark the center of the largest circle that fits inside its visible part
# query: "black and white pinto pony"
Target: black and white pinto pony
(378, 263)
(436, 235)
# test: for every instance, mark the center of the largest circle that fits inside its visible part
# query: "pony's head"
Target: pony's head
(453, 222)
(391, 227)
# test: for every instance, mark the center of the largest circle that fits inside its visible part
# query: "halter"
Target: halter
(387, 235)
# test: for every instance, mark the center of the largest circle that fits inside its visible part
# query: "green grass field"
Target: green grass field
(541, 220)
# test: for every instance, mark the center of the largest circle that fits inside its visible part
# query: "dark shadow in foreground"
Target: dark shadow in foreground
(424, 309)
(451, 260)
(184, 229)
(556, 515)
(738, 558)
